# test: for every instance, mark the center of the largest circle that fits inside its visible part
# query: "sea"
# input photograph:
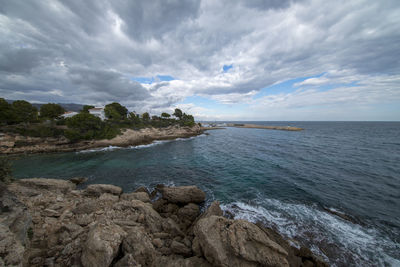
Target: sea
(334, 187)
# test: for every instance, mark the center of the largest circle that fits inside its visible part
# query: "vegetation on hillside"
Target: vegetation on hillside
(23, 118)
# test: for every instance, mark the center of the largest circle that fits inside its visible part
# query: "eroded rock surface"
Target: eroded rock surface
(102, 226)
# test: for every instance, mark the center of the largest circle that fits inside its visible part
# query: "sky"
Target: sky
(218, 60)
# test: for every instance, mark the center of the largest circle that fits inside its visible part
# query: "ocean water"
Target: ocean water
(289, 181)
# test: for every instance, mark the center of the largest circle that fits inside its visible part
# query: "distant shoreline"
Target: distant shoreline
(256, 126)
(17, 144)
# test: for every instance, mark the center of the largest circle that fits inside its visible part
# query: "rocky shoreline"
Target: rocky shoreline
(17, 144)
(48, 222)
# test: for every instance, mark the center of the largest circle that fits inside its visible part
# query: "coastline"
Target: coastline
(256, 126)
(51, 222)
(16, 144)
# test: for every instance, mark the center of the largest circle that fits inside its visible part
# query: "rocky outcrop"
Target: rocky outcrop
(14, 144)
(227, 242)
(183, 194)
(102, 226)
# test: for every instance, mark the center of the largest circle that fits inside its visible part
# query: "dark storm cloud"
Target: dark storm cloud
(87, 51)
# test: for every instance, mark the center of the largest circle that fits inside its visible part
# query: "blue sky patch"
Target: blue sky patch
(150, 80)
(225, 68)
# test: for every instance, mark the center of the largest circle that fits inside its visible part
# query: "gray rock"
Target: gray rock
(127, 261)
(227, 242)
(98, 189)
(142, 196)
(102, 245)
(179, 248)
(139, 244)
(183, 194)
(78, 180)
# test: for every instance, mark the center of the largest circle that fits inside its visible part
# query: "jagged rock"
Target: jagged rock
(139, 244)
(183, 194)
(11, 249)
(127, 261)
(142, 189)
(98, 189)
(189, 212)
(142, 196)
(14, 215)
(179, 248)
(109, 197)
(150, 218)
(227, 242)
(78, 180)
(102, 245)
(213, 209)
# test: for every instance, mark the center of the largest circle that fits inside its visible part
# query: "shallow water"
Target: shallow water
(287, 180)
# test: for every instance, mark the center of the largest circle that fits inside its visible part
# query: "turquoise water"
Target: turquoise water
(287, 180)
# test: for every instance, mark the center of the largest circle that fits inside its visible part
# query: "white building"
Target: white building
(98, 112)
(69, 114)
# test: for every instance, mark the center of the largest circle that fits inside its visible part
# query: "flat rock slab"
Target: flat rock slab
(54, 185)
(99, 189)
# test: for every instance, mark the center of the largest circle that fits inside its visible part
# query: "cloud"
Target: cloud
(90, 51)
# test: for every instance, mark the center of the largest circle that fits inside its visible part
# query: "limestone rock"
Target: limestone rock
(142, 196)
(14, 215)
(102, 245)
(142, 189)
(127, 261)
(11, 249)
(183, 194)
(78, 180)
(227, 242)
(98, 189)
(139, 244)
(179, 248)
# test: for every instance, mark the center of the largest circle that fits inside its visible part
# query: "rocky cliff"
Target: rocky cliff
(48, 222)
(16, 144)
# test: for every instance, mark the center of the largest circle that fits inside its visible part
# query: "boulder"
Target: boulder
(139, 244)
(142, 189)
(127, 261)
(213, 209)
(14, 215)
(102, 245)
(98, 189)
(183, 194)
(179, 248)
(78, 180)
(142, 196)
(227, 242)
(11, 249)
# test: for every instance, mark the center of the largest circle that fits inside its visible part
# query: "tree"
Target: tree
(51, 111)
(134, 118)
(146, 117)
(178, 113)
(115, 111)
(24, 111)
(187, 120)
(86, 108)
(83, 126)
(165, 115)
(5, 111)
